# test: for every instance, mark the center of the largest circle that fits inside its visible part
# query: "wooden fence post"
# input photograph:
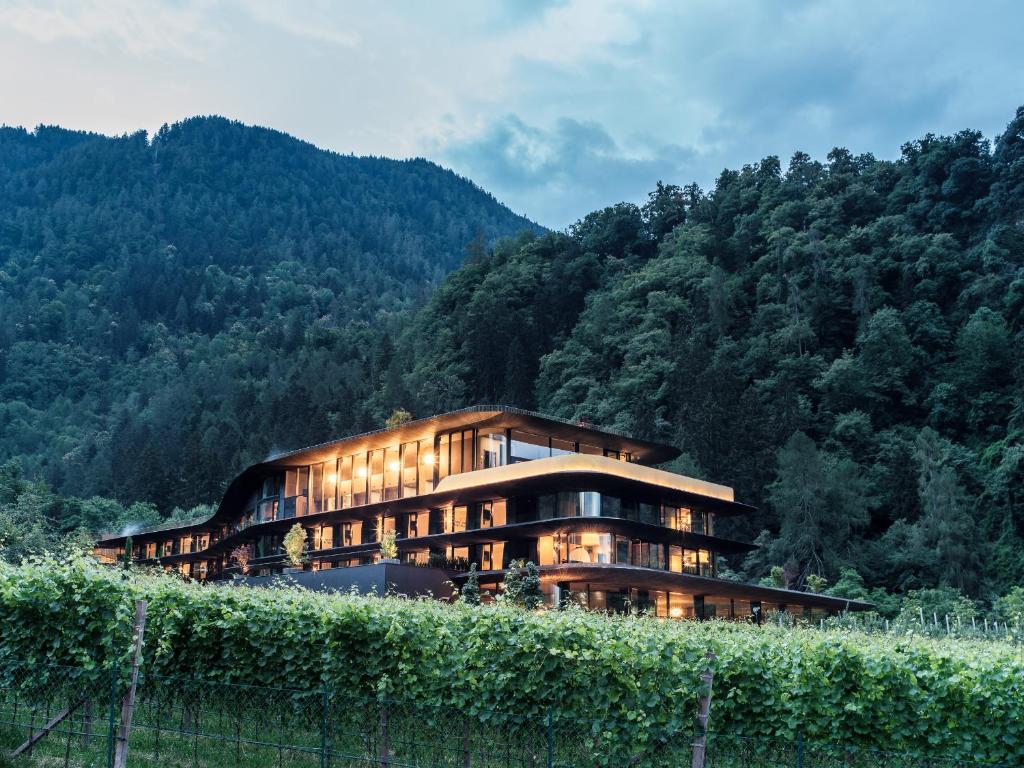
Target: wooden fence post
(128, 702)
(704, 710)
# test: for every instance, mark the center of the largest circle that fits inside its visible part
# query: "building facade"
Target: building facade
(488, 485)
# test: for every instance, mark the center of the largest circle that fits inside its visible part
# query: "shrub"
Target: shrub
(635, 676)
(470, 593)
(389, 545)
(295, 545)
(241, 555)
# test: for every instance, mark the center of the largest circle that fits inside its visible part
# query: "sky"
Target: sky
(556, 108)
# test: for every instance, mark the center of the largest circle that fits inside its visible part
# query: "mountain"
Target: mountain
(842, 341)
(172, 307)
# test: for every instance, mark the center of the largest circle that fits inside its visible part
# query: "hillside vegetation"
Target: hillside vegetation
(634, 678)
(841, 341)
(174, 307)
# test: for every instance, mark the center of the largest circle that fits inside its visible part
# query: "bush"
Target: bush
(634, 676)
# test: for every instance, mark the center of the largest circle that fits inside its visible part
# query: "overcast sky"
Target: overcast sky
(557, 108)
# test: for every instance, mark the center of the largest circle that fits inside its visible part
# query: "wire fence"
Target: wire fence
(53, 716)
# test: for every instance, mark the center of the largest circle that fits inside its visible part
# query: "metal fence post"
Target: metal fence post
(551, 740)
(799, 749)
(325, 719)
(112, 716)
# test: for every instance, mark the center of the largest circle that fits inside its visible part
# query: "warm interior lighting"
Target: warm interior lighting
(428, 459)
(393, 466)
(331, 478)
(675, 613)
(360, 471)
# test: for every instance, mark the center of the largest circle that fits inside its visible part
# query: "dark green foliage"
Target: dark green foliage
(470, 592)
(632, 680)
(839, 341)
(174, 309)
(521, 587)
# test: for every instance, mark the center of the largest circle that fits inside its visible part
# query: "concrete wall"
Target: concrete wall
(379, 578)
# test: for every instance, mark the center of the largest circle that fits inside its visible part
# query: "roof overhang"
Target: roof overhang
(618, 576)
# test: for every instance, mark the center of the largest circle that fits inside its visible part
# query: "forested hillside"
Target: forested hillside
(173, 307)
(840, 340)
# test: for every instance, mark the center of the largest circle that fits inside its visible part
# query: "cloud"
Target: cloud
(130, 27)
(564, 171)
(557, 107)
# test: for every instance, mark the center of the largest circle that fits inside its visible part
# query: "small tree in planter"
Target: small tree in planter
(389, 546)
(470, 593)
(241, 555)
(295, 546)
(522, 585)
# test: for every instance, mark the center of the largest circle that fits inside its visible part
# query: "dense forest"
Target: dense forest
(174, 307)
(841, 340)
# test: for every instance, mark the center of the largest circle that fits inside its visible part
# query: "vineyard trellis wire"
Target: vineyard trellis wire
(192, 722)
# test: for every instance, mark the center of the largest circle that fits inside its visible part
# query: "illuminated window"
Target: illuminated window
(392, 472)
(492, 451)
(359, 478)
(675, 558)
(410, 463)
(491, 556)
(547, 554)
(443, 455)
(492, 513)
(376, 492)
(331, 485)
(345, 482)
(428, 463)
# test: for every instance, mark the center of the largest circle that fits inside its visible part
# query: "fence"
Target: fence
(71, 716)
(54, 716)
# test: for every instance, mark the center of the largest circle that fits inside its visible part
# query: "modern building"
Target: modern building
(487, 485)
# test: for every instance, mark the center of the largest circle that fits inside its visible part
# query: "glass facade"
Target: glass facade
(414, 468)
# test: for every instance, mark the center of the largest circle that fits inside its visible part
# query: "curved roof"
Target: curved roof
(477, 416)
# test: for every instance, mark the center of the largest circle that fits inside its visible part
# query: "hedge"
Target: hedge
(634, 677)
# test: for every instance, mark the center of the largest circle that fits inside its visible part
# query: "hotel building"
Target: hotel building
(486, 485)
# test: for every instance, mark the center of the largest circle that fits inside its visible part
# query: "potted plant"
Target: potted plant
(389, 547)
(295, 549)
(240, 556)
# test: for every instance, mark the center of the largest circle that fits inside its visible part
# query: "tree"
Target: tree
(934, 605)
(241, 555)
(821, 501)
(470, 593)
(944, 539)
(294, 545)
(816, 583)
(522, 585)
(1010, 607)
(397, 418)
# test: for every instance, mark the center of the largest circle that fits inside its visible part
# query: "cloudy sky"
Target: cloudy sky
(557, 108)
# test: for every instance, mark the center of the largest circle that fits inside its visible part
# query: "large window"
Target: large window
(330, 485)
(586, 548)
(428, 462)
(392, 471)
(410, 461)
(527, 446)
(376, 493)
(360, 475)
(316, 501)
(345, 482)
(491, 451)
(492, 513)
